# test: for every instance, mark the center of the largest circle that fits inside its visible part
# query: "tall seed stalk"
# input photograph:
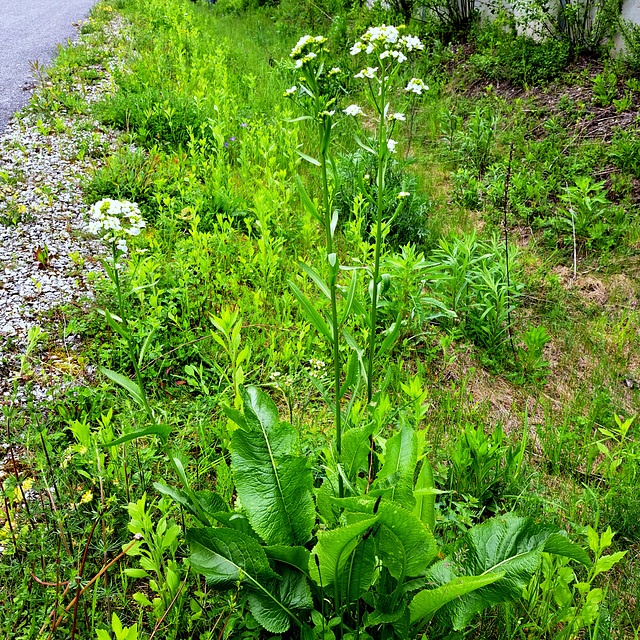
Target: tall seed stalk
(308, 54)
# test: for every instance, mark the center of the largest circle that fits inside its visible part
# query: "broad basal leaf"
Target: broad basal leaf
(356, 445)
(225, 556)
(425, 503)
(509, 545)
(401, 454)
(297, 557)
(273, 481)
(425, 604)
(291, 593)
(358, 572)
(418, 542)
(333, 550)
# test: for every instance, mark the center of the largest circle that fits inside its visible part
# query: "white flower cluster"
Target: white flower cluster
(116, 220)
(416, 86)
(397, 116)
(391, 145)
(304, 52)
(387, 41)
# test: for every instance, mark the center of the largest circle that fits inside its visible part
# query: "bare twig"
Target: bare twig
(164, 615)
(73, 602)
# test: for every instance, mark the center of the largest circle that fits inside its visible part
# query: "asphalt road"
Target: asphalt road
(30, 30)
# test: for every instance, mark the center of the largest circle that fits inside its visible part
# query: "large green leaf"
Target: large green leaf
(333, 550)
(273, 481)
(292, 591)
(225, 557)
(358, 571)
(400, 458)
(509, 545)
(427, 602)
(297, 557)
(356, 444)
(125, 383)
(418, 542)
(425, 502)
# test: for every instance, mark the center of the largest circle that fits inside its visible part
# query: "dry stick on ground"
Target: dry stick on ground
(104, 537)
(96, 577)
(51, 501)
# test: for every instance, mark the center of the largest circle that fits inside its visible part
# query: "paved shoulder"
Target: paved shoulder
(30, 30)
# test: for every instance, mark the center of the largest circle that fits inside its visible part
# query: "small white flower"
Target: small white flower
(353, 110)
(397, 116)
(357, 48)
(403, 194)
(391, 145)
(291, 90)
(297, 50)
(369, 72)
(411, 42)
(333, 71)
(416, 86)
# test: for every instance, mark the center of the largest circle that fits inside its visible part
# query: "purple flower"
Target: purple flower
(226, 144)
(244, 124)
(231, 139)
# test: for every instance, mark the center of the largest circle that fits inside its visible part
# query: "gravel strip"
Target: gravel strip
(48, 261)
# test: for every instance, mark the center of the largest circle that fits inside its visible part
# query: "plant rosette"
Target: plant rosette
(116, 222)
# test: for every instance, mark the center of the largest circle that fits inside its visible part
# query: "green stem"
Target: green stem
(376, 268)
(334, 304)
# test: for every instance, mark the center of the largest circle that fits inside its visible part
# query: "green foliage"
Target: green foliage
(519, 58)
(470, 143)
(625, 151)
(128, 176)
(411, 223)
(508, 546)
(343, 560)
(586, 26)
(530, 363)
(470, 279)
(201, 306)
(605, 88)
(484, 466)
(588, 215)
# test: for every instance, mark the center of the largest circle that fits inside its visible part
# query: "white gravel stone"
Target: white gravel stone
(45, 208)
